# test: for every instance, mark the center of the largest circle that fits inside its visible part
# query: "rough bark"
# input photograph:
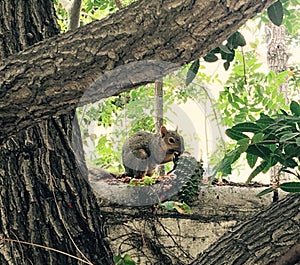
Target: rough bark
(45, 198)
(277, 58)
(74, 14)
(159, 114)
(160, 235)
(264, 239)
(50, 77)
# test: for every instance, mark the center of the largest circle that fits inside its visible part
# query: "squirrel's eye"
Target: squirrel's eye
(171, 140)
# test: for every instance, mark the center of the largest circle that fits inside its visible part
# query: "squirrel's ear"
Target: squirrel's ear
(163, 131)
(176, 130)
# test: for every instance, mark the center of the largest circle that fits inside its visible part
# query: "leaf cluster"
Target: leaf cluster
(248, 91)
(270, 140)
(126, 260)
(180, 207)
(284, 12)
(225, 51)
(92, 5)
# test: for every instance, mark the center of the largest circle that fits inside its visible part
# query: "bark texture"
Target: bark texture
(264, 239)
(45, 198)
(74, 14)
(277, 58)
(50, 78)
(159, 114)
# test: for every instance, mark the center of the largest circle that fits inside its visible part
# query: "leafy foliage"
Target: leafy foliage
(284, 12)
(90, 10)
(226, 51)
(180, 207)
(122, 116)
(191, 74)
(267, 141)
(248, 92)
(62, 16)
(145, 181)
(126, 260)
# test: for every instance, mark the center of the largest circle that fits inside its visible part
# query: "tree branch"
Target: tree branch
(49, 78)
(269, 237)
(74, 14)
(118, 4)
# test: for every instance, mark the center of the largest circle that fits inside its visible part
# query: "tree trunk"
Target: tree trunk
(45, 198)
(268, 238)
(277, 58)
(159, 114)
(136, 45)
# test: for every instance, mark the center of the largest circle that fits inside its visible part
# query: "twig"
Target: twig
(47, 248)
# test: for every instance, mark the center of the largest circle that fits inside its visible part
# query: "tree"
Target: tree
(269, 237)
(45, 198)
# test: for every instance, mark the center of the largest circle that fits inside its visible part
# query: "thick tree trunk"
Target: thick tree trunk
(268, 238)
(45, 198)
(51, 77)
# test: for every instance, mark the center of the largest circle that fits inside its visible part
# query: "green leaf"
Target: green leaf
(240, 117)
(275, 13)
(182, 207)
(281, 128)
(289, 26)
(298, 141)
(258, 137)
(225, 49)
(251, 159)
(224, 165)
(117, 258)
(262, 167)
(290, 186)
(290, 162)
(236, 135)
(265, 120)
(243, 145)
(295, 108)
(259, 150)
(240, 39)
(235, 40)
(265, 191)
(226, 65)
(246, 127)
(128, 260)
(288, 136)
(168, 205)
(192, 72)
(291, 150)
(210, 57)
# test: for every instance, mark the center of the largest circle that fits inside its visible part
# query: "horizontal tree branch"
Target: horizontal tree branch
(269, 237)
(50, 78)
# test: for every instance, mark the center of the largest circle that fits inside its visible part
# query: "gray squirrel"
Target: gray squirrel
(143, 151)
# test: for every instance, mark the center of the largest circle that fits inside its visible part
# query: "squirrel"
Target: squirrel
(143, 151)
